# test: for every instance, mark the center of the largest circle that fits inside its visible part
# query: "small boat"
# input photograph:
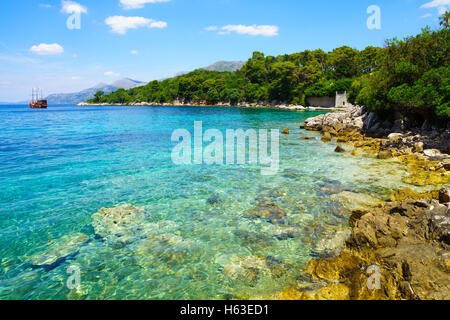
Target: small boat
(37, 101)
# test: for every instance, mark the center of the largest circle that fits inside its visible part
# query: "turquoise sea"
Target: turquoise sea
(189, 234)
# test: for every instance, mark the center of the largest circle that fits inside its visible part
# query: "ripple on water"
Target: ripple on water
(106, 197)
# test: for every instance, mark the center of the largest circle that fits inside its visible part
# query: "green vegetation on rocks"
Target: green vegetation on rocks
(409, 76)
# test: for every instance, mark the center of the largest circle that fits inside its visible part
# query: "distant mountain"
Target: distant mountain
(77, 97)
(222, 66)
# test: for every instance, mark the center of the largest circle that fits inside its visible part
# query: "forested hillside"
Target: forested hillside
(410, 76)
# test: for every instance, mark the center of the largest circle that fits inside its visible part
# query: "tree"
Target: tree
(343, 63)
(445, 20)
(255, 68)
(284, 81)
(413, 77)
(368, 59)
(98, 95)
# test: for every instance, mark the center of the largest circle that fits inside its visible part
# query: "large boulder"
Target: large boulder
(352, 118)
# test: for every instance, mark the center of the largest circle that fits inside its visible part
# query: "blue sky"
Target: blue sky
(154, 39)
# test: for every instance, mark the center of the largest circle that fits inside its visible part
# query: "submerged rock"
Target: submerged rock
(253, 239)
(250, 269)
(385, 154)
(120, 225)
(59, 250)
(333, 243)
(353, 200)
(267, 210)
(326, 137)
(339, 149)
(213, 200)
(285, 131)
(161, 249)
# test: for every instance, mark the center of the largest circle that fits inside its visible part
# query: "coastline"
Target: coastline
(238, 105)
(406, 239)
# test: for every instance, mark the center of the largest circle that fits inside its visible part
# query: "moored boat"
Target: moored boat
(37, 101)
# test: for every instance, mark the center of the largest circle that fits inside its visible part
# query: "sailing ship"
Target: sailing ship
(37, 101)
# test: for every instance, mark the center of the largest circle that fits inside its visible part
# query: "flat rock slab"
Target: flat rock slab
(60, 249)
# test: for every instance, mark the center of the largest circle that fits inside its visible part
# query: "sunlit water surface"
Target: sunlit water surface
(60, 166)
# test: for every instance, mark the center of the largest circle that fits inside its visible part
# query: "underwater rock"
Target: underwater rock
(285, 233)
(277, 267)
(164, 248)
(354, 200)
(250, 269)
(308, 138)
(120, 225)
(285, 131)
(333, 243)
(267, 210)
(60, 250)
(385, 154)
(253, 239)
(244, 269)
(291, 174)
(326, 137)
(213, 200)
(330, 186)
(339, 149)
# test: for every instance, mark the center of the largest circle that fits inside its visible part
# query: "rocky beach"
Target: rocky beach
(405, 239)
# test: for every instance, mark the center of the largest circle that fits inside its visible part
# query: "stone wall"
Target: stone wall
(329, 102)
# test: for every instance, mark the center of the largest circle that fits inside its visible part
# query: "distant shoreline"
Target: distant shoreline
(239, 105)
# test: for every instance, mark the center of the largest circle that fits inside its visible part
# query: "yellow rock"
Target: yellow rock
(408, 194)
(335, 291)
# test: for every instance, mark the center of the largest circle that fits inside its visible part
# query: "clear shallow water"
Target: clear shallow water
(60, 166)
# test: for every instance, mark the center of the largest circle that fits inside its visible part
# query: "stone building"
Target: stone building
(340, 100)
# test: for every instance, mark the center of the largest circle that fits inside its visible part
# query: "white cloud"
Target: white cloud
(72, 7)
(212, 28)
(137, 4)
(47, 49)
(120, 24)
(253, 30)
(428, 15)
(436, 3)
(442, 5)
(442, 10)
(112, 74)
(134, 52)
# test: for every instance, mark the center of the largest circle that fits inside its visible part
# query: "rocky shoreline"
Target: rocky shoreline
(205, 104)
(401, 248)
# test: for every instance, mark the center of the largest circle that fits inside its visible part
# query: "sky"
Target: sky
(67, 46)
